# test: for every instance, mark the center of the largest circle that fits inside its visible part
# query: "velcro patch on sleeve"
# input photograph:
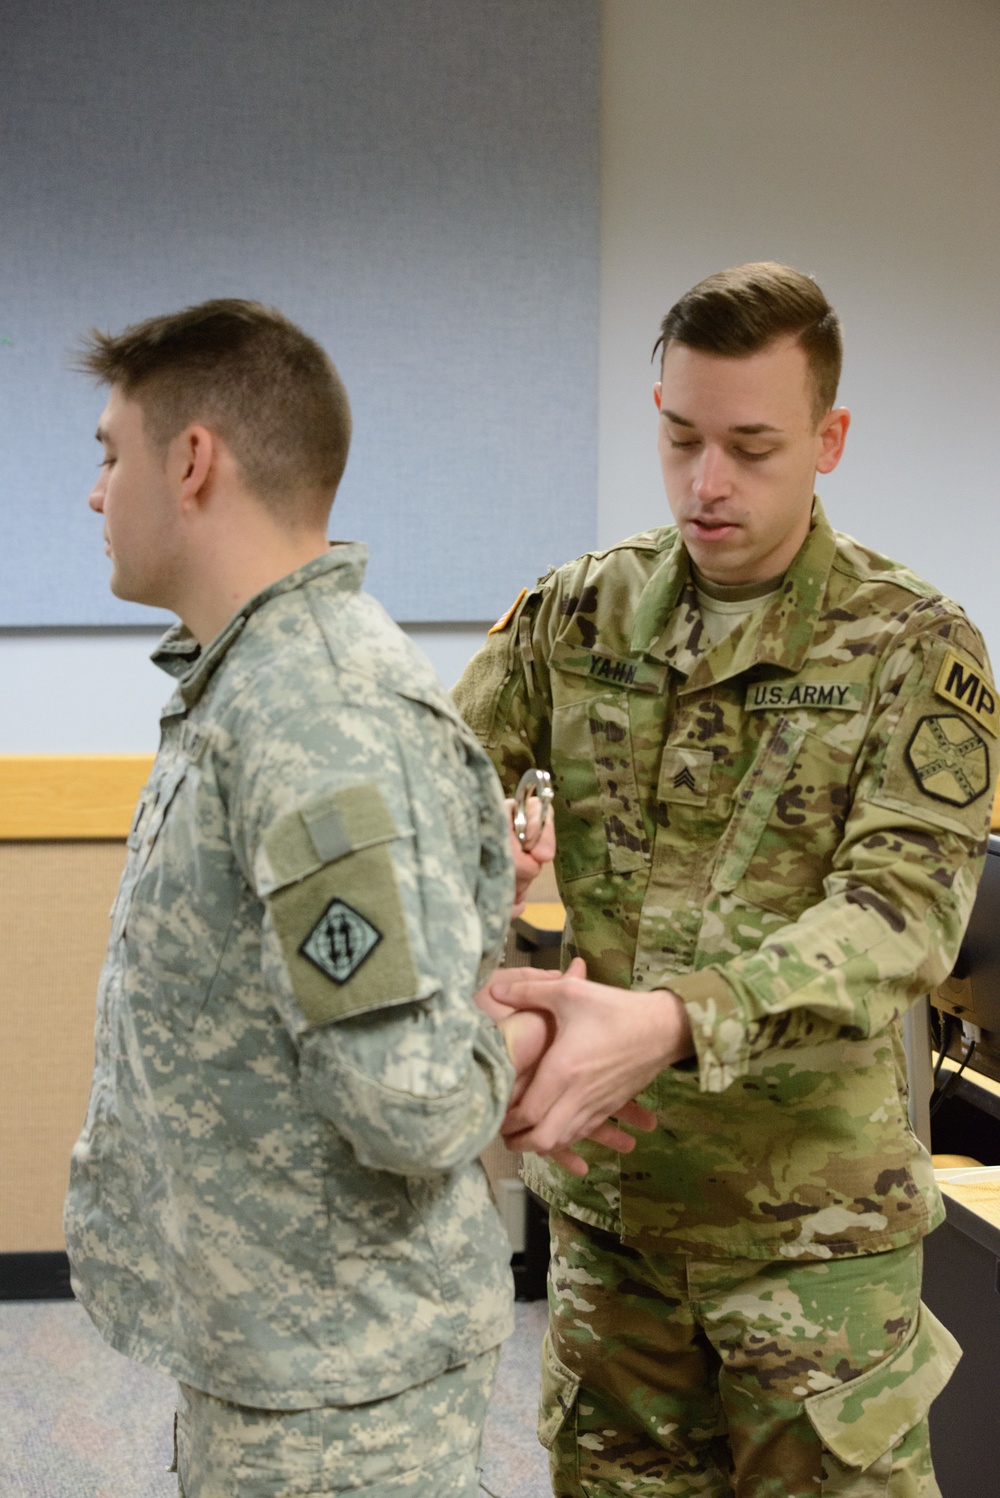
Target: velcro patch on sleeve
(344, 938)
(505, 619)
(949, 760)
(964, 684)
(336, 907)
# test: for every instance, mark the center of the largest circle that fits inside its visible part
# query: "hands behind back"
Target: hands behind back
(583, 1051)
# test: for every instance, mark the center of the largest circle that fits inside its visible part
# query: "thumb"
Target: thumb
(526, 1035)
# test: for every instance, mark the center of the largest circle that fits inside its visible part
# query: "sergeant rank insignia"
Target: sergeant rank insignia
(949, 759)
(340, 941)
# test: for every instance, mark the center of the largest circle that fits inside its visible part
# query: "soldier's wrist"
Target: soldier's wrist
(677, 1038)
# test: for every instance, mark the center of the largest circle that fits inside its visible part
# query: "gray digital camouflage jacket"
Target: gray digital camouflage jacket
(786, 829)
(276, 1197)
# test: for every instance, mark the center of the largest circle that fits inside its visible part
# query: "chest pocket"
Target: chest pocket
(787, 820)
(599, 813)
(147, 823)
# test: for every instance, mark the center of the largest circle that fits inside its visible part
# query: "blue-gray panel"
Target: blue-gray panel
(417, 185)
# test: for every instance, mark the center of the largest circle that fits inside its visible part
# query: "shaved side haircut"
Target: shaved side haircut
(249, 375)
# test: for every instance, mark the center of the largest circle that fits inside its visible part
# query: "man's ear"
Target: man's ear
(193, 457)
(657, 394)
(832, 434)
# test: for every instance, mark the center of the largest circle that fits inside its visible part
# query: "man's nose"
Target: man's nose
(712, 477)
(95, 498)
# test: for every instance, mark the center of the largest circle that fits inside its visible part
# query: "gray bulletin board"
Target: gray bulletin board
(415, 183)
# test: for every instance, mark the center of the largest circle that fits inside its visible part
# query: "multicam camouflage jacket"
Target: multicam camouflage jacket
(276, 1196)
(785, 829)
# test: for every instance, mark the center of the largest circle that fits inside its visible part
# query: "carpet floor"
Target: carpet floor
(79, 1421)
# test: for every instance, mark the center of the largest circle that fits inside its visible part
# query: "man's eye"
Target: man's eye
(754, 457)
(689, 442)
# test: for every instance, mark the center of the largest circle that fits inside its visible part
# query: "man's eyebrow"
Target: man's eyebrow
(750, 429)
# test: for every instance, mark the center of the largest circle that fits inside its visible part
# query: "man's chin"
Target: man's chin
(130, 592)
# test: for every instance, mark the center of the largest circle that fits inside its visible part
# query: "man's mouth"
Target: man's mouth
(711, 530)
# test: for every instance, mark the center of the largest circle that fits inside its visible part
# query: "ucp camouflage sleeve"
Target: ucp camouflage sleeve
(903, 877)
(372, 942)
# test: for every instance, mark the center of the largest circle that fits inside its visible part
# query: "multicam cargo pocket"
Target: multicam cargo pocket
(864, 1423)
(559, 1388)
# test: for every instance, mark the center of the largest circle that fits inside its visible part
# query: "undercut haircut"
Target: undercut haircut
(249, 375)
(740, 311)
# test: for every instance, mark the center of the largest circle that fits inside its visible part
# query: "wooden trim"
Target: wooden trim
(79, 796)
(93, 795)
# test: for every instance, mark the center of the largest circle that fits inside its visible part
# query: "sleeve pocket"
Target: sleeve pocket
(860, 1422)
(559, 1388)
(329, 881)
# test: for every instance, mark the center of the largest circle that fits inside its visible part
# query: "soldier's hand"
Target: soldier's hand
(609, 1044)
(528, 1034)
(538, 850)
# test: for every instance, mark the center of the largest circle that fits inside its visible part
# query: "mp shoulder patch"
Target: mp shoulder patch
(963, 684)
(505, 619)
(340, 941)
(949, 760)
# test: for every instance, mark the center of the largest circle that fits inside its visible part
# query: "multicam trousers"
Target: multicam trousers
(666, 1377)
(422, 1443)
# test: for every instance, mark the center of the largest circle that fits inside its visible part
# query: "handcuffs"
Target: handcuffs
(532, 783)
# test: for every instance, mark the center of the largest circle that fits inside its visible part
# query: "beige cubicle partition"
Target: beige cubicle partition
(63, 824)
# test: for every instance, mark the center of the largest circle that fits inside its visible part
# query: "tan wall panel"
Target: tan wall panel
(54, 903)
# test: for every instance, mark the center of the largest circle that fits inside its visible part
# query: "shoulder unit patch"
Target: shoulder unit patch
(963, 684)
(949, 760)
(340, 941)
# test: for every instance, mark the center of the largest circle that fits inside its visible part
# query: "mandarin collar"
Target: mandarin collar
(180, 655)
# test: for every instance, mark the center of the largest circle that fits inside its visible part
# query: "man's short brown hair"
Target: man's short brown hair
(740, 311)
(247, 373)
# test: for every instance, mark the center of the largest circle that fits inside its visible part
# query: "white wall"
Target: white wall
(97, 692)
(856, 141)
(859, 142)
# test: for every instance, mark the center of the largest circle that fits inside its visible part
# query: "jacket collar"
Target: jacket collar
(668, 622)
(180, 655)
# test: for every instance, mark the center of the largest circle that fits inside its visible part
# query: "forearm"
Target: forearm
(400, 1113)
(845, 970)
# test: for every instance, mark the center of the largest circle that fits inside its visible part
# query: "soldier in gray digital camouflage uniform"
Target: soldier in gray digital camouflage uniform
(773, 751)
(276, 1197)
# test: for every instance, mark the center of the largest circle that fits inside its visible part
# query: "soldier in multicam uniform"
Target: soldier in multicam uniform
(276, 1196)
(772, 751)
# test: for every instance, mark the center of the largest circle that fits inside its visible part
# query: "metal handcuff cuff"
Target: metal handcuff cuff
(532, 783)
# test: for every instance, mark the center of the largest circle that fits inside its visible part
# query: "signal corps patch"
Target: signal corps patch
(505, 619)
(949, 760)
(340, 941)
